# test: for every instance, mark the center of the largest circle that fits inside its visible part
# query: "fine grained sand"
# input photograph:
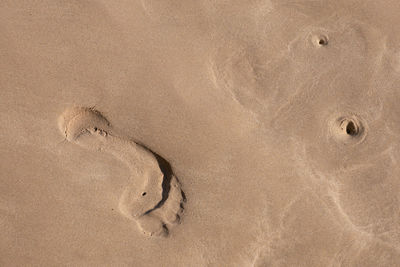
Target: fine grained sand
(279, 118)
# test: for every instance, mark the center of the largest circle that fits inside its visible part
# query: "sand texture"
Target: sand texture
(200, 133)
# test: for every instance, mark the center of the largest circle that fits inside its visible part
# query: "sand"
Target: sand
(199, 133)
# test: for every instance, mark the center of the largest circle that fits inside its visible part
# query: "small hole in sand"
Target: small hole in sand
(319, 40)
(95, 129)
(144, 193)
(351, 129)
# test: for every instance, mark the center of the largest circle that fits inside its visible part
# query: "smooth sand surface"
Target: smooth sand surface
(199, 133)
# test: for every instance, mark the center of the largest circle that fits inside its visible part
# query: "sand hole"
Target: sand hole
(350, 127)
(144, 193)
(320, 40)
(348, 130)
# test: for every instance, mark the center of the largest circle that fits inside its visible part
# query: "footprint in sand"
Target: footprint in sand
(158, 204)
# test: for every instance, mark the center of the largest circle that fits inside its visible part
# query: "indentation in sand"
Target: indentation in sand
(157, 206)
(348, 129)
(320, 40)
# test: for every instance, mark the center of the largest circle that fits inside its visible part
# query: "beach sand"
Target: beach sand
(199, 133)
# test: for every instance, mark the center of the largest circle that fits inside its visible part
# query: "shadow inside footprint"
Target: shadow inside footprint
(166, 169)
